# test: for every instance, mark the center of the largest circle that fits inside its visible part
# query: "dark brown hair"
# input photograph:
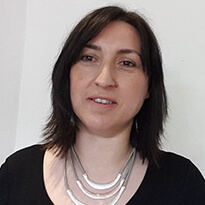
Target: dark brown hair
(60, 131)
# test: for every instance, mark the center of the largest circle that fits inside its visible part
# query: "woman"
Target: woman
(102, 139)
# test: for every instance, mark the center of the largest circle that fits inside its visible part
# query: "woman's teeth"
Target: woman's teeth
(103, 101)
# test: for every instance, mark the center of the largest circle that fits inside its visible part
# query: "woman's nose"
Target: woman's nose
(106, 77)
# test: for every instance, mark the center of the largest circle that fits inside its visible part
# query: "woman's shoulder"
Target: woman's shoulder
(31, 148)
(176, 180)
(27, 156)
(177, 165)
(21, 177)
(179, 170)
(173, 159)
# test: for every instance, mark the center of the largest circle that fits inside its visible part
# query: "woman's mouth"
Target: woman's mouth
(103, 101)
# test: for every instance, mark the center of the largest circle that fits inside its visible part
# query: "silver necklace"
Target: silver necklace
(117, 191)
(97, 185)
(105, 195)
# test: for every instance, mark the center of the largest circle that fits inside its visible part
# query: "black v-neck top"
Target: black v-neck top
(176, 182)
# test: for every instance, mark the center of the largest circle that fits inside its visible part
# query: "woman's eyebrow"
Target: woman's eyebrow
(128, 51)
(121, 51)
(94, 47)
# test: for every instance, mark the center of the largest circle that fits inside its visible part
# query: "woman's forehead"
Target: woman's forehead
(117, 34)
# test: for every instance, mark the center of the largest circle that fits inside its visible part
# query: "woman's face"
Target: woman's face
(108, 85)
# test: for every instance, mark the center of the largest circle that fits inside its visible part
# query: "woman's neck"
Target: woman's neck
(102, 155)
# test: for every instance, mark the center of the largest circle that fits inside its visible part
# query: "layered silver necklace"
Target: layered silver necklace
(116, 187)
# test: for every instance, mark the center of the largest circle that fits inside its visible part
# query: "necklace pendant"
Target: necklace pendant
(102, 186)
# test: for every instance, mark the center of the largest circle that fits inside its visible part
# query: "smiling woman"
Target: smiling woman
(102, 140)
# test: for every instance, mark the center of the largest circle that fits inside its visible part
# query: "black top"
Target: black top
(176, 182)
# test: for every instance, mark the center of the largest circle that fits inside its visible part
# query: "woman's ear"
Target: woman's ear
(147, 95)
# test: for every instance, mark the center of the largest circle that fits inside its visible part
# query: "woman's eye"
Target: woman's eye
(129, 64)
(86, 58)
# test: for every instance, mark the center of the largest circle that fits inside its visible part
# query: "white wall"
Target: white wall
(179, 26)
(12, 38)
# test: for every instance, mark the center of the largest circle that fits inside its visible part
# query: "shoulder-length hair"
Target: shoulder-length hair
(60, 131)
